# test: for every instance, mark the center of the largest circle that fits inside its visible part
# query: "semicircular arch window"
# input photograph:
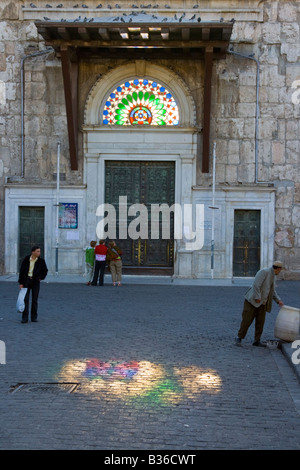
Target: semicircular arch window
(139, 102)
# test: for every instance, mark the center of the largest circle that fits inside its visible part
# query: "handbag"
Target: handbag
(21, 300)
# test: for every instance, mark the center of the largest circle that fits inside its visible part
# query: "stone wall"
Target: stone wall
(249, 151)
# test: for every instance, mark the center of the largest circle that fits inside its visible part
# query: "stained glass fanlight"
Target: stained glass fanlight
(140, 102)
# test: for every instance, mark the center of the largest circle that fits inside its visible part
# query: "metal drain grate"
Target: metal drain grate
(50, 387)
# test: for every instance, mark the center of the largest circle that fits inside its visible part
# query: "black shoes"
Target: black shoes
(259, 344)
(238, 342)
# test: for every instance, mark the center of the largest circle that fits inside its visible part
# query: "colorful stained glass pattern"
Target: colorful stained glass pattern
(141, 102)
(110, 370)
(140, 383)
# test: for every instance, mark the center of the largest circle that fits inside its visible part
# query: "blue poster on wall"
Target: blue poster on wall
(68, 215)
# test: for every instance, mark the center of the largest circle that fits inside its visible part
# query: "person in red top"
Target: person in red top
(100, 262)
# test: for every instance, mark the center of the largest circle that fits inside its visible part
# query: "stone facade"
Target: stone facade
(255, 125)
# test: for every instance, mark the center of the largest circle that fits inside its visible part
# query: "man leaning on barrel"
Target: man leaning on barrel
(258, 301)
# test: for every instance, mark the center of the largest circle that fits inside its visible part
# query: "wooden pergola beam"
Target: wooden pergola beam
(70, 79)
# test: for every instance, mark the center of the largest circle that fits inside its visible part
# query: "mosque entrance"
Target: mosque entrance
(147, 183)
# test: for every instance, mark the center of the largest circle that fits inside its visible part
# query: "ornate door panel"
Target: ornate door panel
(123, 179)
(144, 183)
(246, 243)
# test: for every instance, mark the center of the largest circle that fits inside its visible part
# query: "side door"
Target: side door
(246, 243)
(31, 230)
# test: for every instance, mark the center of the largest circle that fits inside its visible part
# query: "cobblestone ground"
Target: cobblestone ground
(157, 368)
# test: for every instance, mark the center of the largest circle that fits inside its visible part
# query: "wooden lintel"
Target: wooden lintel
(45, 33)
(64, 33)
(104, 34)
(226, 33)
(124, 33)
(84, 34)
(208, 63)
(136, 41)
(165, 33)
(185, 34)
(205, 34)
(70, 79)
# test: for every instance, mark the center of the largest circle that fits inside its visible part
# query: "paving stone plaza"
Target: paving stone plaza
(147, 366)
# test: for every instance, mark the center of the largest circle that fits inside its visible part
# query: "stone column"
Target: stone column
(92, 199)
(183, 267)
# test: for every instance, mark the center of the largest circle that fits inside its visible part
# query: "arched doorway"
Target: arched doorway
(139, 139)
(142, 102)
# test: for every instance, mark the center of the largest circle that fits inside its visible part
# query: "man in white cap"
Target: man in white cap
(258, 301)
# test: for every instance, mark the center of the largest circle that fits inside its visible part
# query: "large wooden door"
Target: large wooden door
(31, 230)
(144, 183)
(246, 243)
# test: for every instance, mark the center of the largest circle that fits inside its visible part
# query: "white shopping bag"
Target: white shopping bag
(20, 300)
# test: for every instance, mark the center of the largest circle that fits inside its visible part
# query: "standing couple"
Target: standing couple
(110, 255)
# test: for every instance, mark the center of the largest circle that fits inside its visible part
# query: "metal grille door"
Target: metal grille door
(246, 243)
(144, 183)
(31, 230)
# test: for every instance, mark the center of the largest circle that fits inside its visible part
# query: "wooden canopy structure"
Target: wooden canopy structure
(124, 37)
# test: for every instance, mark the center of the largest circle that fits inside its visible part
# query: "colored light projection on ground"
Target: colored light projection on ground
(141, 381)
(140, 102)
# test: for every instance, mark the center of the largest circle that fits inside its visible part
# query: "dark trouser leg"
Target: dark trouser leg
(26, 309)
(259, 322)
(247, 319)
(249, 314)
(96, 273)
(102, 268)
(35, 289)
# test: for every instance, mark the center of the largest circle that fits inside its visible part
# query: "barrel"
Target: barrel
(287, 323)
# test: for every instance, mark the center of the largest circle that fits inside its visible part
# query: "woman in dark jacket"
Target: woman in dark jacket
(33, 270)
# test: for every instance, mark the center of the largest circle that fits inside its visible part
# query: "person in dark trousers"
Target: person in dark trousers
(33, 270)
(100, 262)
(258, 301)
